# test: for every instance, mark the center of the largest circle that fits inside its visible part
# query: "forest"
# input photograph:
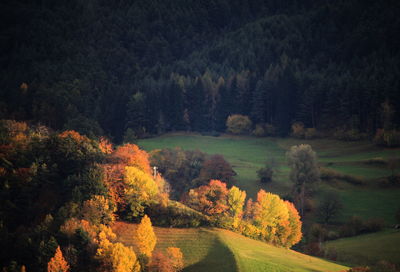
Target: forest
(141, 68)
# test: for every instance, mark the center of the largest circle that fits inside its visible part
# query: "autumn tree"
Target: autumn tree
(236, 199)
(98, 210)
(304, 171)
(170, 261)
(238, 124)
(146, 238)
(57, 263)
(140, 188)
(269, 212)
(210, 199)
(295, 225)
(115, 257)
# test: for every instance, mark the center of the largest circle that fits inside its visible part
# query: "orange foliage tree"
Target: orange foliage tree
(116, 177)
(57, 263)
(171, 261)
(146, 238)
(210, 199)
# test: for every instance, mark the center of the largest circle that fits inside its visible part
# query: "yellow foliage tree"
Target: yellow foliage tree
(98, 210)
(140, 189)
(236, 200)
(270, 211)
(146, 238)
(57, 263)
(115, 257)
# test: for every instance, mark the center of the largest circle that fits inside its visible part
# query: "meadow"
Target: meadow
(248, 154)
(368, 249)
(215, 250)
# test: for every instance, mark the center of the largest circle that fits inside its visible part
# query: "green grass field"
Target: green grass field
(368, 249)
(248, 154)
(216, 250)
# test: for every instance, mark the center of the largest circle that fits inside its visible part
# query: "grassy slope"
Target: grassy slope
(221, 250)
(369, 248)
(248, 154)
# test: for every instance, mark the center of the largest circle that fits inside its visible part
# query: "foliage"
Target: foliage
(210, 199)
(170, 261)
(180, 167)
(116, 257)
(329, 207)
(238, 124)
(146, 238)
(235, 202)
(265, 174)
(57, 263)
(140, 189)
(216, 167)
(98, 210)
(304, 171)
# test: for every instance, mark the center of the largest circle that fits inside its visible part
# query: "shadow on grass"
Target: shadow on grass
(219, 258)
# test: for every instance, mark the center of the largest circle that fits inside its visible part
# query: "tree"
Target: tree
(294, 225)
(269, 212)
(304, 171)
(329, 207)
(236, 200)
(209, 199)
(216, 167)
(115, 257)
(140, 189)
(57, 263)
(238, 124)
(171, 261)
(98, 210)
(266, 173)
(146, 238)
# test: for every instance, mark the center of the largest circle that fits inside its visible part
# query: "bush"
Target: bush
(265, 174)
(356, 225)
(264, 129)
(388, 138)
(331, 174)
(238, 124)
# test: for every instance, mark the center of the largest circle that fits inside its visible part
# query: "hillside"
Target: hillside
(222, 250)
(157, 66)
(248, 154)
(367, 249)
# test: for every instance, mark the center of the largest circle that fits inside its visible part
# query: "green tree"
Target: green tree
(304, 172)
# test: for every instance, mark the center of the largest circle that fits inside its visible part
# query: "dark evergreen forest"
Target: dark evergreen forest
(145, 67)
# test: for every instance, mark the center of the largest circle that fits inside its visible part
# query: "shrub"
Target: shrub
(264, 129)
(238, 124)
(265, 174)
(331, 174)
(349, 135)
